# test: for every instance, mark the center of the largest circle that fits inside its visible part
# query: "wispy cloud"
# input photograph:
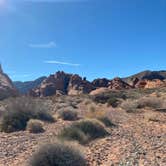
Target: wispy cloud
(51, 44)
(62, 63)
(21, 75)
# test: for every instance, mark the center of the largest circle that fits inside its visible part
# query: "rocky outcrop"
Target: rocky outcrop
(146, 75)
(62, 83)
(147, 84)
(101, 82)
(52, 85)
(7, 88)
(119, 84)
(77, 85)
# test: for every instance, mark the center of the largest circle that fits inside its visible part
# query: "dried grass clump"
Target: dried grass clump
(57, 154)
(35, 126)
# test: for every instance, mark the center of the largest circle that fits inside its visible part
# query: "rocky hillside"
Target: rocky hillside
(62, 83)
(25, 87)
(146, 75)
(72, 84)
(7, 88)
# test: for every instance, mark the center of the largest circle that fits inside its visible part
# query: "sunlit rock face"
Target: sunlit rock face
(148, 84)
(62, 83)
(7, 88)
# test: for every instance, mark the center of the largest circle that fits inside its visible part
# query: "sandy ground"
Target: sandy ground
(135, 141)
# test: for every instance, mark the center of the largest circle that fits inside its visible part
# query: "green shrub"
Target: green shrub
(35, 126)
(15, 120)
(91, 127)
(68, 115)
(73, 134)
(130, 106)
(105, 97)
(58, 154)
(107, 122)
(84, 131)
(113, 102)
(20, 110)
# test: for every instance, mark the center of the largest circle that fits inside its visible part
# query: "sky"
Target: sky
(92, 38)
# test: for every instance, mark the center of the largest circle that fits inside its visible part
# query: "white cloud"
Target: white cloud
(21, 75)
(62, 63)
(51, 44)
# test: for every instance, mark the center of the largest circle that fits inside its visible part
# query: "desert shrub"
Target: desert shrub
(57, 154)
(91, 127)
(152, 102)
(105, 97)
(35, 126)
(107, 122)
(43, 115)
(20, 110)
(14, 121)
(68, 115)
(113, 102)
(130, 105)
(73, 134)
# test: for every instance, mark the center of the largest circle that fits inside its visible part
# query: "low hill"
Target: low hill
(148, 75)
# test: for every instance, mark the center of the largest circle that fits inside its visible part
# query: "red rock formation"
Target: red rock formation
(77, 85)
(119, 84)
(7, 88)
(62, 83)
(103, 82)
(150, 83)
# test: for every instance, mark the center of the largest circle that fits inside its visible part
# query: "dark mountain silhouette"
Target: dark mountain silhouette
(25, 87)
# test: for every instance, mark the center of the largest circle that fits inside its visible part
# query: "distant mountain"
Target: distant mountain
(25, 87)
(7, 88)
(146, 75)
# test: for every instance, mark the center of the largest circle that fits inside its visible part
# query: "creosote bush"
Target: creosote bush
(84, 131)
(107, 122)
(113, 102)
(70, 115)
(20, 110)
(73, 134)
(35, 126)
(57, 154)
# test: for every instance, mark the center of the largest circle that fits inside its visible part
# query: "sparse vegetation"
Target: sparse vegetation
(107, 121)
(113, 102)
(151, 102)
(60, 154)
(35, 126)
(91, 127)
(20, 110)
(130, 106)
(84, 131)
(73, 134)
(109, 97)
(70, 115)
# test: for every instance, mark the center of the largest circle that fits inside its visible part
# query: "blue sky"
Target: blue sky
(93, 38)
